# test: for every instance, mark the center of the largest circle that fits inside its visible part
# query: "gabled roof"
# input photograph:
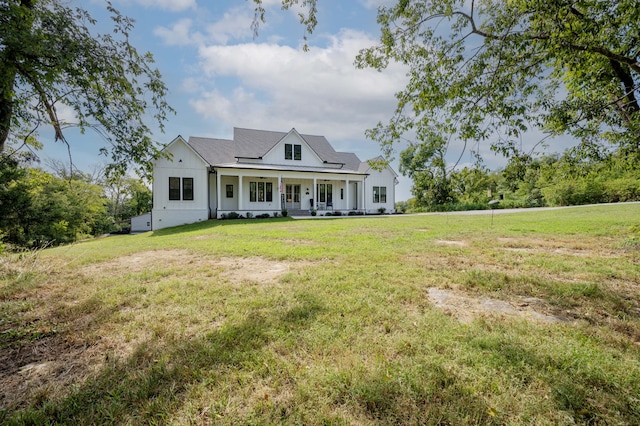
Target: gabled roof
(214, 151)
(365, 166)
(254, 144)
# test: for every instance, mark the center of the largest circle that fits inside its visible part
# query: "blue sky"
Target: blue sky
(219, 76)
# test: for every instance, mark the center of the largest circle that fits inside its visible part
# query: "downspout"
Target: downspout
(211, 171)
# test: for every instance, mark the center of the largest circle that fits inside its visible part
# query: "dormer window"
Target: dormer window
(292, 151)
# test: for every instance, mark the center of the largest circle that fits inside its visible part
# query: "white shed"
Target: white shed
(141, 223)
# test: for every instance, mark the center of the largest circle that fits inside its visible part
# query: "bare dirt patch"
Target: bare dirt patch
(233, 269)
(252, 269)
(139, 262)
(44, 366)
(466, 308)
(452, 243)
(563, 248)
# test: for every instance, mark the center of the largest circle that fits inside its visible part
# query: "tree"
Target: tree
(50, 58)
(426, 165)
(127, 197)
(14, 198)
(493, 69)
(38, 208)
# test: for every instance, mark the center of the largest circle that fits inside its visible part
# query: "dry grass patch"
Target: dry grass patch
(467, 308)
(452, 243)
(234, 269)
(77, 330)
(595, 248)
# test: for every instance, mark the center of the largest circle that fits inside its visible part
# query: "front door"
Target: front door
(292, 196)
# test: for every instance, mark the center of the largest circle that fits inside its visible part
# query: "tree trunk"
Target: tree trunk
(7, 81)
(20, 23)
(628, 104)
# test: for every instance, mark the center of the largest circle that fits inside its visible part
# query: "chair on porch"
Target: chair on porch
(329, 205)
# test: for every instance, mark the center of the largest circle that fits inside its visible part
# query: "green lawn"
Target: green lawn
(331, 322)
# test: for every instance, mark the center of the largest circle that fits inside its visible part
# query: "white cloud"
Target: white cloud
(213, 105)
(234, 25)
(317, 92)
(171, 5)
(374, 4)
(178, 35)
(65, 113)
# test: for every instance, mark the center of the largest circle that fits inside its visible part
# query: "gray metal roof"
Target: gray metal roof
(250, 143)
(213, 150)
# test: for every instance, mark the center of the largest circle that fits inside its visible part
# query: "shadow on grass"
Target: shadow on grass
(215, 223)
(587, 390)
(152, 384)
(423, 394)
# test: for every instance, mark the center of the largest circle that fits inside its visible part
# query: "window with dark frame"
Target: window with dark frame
(325, 193)
(187, 189)
(229, 191)
(269, 190)
(253, 191)
(181, 189)
(379, 194)
(174, 188)
(292, 152)
(261, 192)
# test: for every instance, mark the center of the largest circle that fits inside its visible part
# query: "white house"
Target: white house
(264, 172)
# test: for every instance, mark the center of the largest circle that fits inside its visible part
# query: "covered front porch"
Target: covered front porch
(254, 192)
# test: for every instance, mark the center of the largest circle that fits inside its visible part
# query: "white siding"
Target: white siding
(228, 203)
(308, 158)
(141, 223)
(385, 178)
(184, 163)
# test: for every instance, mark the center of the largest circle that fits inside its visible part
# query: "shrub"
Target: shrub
(584, 191)
(275, 214)
(314, 212)
(249, 215)
(233, 215)
(622, 189)
(284, 212)
(402, 207)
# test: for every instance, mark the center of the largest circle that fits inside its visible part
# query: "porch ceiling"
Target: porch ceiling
(280, 169)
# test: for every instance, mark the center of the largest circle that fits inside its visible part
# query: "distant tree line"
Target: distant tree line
(40, 208)
(578, 176)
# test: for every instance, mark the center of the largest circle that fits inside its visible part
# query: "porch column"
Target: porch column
(240, 207)
(346, 195)
(363, 197)
(315, 194)
(280, 192)
(218, 196)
